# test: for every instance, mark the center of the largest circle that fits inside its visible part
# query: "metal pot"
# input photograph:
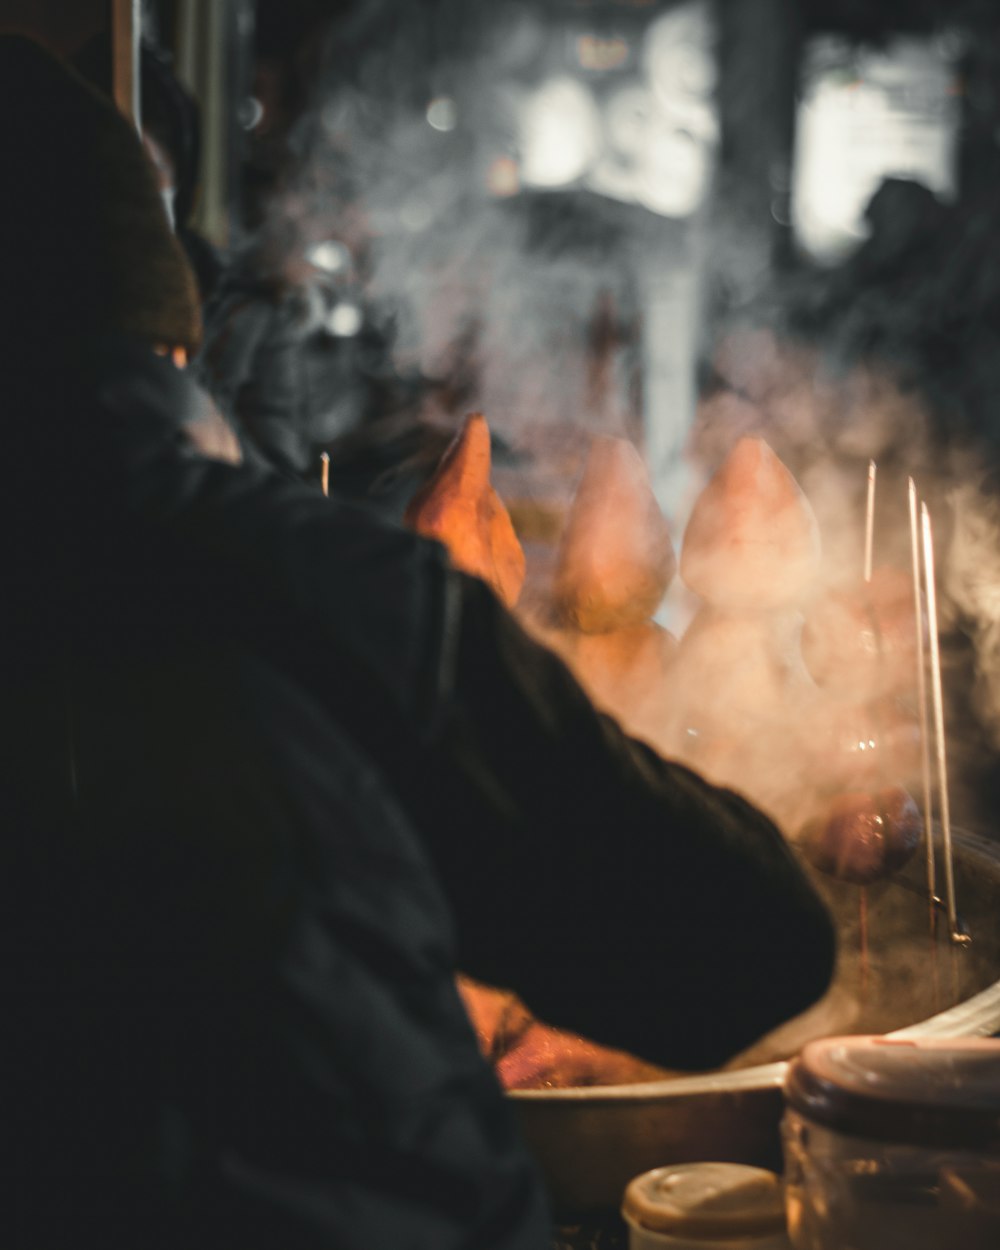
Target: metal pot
(591, 1141)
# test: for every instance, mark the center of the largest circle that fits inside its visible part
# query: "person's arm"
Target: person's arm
(622, 896)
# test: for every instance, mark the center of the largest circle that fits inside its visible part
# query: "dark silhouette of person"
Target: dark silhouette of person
(274, 772)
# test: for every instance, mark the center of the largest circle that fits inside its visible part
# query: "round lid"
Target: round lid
(935, 1092)
(703, 1200)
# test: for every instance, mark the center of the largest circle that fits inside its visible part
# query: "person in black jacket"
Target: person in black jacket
(275, 772)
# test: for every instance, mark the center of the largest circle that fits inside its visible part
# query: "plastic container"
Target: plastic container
(705, 1206)
(893, 1142)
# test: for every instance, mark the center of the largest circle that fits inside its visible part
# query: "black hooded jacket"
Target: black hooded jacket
(276, 771)
(519, 789)
(271, 773)
(226, 962)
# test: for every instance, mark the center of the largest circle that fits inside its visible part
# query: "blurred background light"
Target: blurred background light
(679, 53)
(442, 113)
(344, 320)
(630, 117)
(675, 172)
(416, 213)
(250, 113)
(869, 114)
(503, 177)
(331, 256)
(560, 133)
(602, 54)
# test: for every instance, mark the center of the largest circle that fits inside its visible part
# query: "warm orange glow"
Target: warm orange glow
(602, 54)
(460, 508)
(503, 177)
(528, 1054)
(752, 539)
(616, 557)
(178, 355)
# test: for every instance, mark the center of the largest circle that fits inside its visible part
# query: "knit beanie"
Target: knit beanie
(85, 245)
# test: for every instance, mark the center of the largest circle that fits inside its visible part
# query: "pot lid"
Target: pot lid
(706, 1200)
(923, 1091)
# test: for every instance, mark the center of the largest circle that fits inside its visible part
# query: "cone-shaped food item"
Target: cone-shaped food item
(616, 559)
(752, 540)
(461, 509)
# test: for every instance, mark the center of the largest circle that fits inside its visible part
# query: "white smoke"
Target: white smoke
(972, 582)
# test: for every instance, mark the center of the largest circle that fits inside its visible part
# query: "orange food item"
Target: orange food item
(616, 558)
(864, 638)
(752, 540)
(460, 508)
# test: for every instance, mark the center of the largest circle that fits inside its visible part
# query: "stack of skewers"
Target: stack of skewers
(867, 836)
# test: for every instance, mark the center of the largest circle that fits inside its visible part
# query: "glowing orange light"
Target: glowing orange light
(595, 53)
(503, 177)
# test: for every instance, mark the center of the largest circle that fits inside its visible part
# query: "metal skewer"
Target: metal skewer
(957, 935)
(870, 520)
(869, 551)
(925, 751)
(324, 472)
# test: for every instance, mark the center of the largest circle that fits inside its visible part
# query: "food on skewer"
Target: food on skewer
(751, 551)
(864, 638)
(616, 558)
(739, 683)
(864, 837)
(613, 566)
(744, 666)
(460, 508)
(752, 540)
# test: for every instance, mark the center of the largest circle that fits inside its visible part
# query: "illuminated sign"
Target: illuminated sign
(629, 114)
(867, 115)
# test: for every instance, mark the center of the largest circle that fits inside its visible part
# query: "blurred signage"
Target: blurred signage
(865, 115)
(624, 108)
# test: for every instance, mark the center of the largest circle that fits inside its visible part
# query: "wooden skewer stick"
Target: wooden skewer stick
(870, 520)
(958, 937)
(324, 472)
(925, 750)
